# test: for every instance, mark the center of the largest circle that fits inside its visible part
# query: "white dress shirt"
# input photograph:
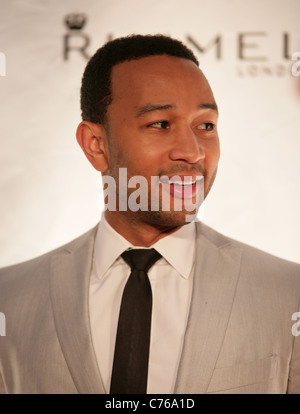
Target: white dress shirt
(171, 279)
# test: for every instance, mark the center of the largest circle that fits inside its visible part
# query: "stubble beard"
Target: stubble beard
(160, 219)
(163, 220)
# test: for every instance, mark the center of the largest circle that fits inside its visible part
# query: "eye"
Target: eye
(160, 125)
(207, 126)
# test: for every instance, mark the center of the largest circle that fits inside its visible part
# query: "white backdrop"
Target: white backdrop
(49, 190)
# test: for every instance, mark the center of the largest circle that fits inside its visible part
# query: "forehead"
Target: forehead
(158, 78)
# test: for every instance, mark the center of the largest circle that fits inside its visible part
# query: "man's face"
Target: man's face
(162, 123)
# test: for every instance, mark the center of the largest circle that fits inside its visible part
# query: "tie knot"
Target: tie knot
(141, 259)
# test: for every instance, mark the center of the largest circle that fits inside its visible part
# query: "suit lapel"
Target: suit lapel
(69, 287)
(215, 280)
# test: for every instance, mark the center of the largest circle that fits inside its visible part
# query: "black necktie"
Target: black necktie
(130, 366)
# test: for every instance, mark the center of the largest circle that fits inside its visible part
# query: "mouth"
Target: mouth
(182, 186)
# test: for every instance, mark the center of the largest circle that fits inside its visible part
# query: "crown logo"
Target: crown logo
(75, 21)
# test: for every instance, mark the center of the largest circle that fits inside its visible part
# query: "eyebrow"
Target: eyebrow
(211, 105)
(153, 107)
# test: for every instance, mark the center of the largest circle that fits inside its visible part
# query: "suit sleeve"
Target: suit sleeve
(294, 374)
(2, 388)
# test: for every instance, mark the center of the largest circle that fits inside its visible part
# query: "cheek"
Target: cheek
(135, 159)
(213, 155)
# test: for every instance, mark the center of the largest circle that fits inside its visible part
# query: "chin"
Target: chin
(167, 219)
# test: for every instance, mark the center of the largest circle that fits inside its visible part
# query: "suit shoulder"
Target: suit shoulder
(32, 266)
(252, 256)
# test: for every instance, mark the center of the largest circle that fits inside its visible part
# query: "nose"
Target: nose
(186, 146)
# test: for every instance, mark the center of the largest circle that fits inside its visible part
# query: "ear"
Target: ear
(93, 140)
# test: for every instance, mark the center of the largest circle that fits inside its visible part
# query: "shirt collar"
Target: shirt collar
(177, 248)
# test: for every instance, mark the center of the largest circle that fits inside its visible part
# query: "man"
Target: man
(221, 315)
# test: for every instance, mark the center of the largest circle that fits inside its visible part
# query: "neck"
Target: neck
(136, 232)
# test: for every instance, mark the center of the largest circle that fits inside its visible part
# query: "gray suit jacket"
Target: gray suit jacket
(238, 338)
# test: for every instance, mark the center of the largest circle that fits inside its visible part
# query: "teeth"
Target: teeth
(181, 183)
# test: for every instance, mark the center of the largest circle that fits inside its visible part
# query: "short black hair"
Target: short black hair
(96, 80)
